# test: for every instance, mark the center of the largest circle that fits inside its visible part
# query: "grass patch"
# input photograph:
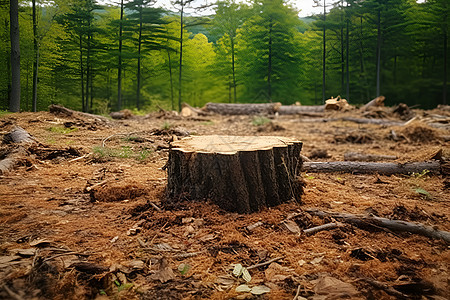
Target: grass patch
(166, 125)
(124, 152)
(61, 129)
(259, 121)
(4, 113)
(207, 123)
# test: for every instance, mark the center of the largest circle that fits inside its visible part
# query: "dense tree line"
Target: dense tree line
(134, 55)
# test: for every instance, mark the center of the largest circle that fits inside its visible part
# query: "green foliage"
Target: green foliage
(124, 152)
(260, 51)
(166, 125)
(259, 121)
(61, 129)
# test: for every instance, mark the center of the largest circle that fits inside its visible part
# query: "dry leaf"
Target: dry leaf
(292, 226)
(243, 288)
(260, 289)
(164, 273)
(334, 287)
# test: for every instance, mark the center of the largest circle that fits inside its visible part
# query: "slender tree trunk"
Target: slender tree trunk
(88, 66)
(14, 101)
(444, 87)
(36, 57)
(27, 89)
(347, 46)
(395, 69)
(181, 57)
(341, 25)
(233, 67)
(361, 54)
(171, 80)
(269, 67)
(119, 69)
(378, 51)
(324, 52)
(83, 103)
(138, 87)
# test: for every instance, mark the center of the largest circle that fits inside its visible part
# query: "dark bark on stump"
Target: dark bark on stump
(242, 177)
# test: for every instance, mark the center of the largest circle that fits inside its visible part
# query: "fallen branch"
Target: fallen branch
(364, 221)
(314, 230)
(264, 263)
(433, 167)
(355, 156)
(61, 110)
(388, 289)
(377, 102)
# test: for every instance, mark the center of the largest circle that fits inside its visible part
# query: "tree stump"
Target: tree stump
(238, 173)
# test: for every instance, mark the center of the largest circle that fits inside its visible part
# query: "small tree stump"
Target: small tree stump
(238, 173)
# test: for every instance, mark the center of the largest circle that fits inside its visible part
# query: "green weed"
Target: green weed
(4, 113)
(125, 152)
(259, 121)
(166, 125)
(61, 130)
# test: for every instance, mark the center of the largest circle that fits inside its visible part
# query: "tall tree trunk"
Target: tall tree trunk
(378, 51)
(347, 46)
(444, 87)
(138, 84)
(88, 65)
(233, 67)
(269, 67)
(181, 57)
(341, 25)
(171, 80)
(361, 55)
(14, 101)
(36, 57)
(83, 103)
(324, 52)
(119, 69)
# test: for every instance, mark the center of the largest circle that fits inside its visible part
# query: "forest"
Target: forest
(100, 58)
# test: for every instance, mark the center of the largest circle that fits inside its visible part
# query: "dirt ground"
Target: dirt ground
(84, 214)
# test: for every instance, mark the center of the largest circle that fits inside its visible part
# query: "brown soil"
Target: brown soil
(84, 216)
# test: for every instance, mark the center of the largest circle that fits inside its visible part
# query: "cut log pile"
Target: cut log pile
(238, 173)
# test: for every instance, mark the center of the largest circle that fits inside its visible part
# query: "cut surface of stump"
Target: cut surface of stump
(238, 173)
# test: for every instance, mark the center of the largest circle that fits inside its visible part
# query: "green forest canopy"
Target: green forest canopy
(256, 52)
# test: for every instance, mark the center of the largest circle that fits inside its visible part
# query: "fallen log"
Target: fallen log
(371, 121)
(242, 108)
(377, 102)
(356, 156)
(365, 221)
(434, 167)
(301, 110)
(121, 115)
(61, 110)
(11, 160)
(238, 173)
(18, 135)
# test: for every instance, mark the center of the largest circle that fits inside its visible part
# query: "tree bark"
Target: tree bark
(394, 225)
(378, 101)
(14, 101)
(61, 110)
(302, 109)
(36, 57)
(371, 168)
(17, 136)
(181, 57)
(239, 174)
(119, 69)
(242, 108)
(355, 156)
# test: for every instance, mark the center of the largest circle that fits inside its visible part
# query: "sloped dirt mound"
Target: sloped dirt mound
(420, 133)
(118, 192)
